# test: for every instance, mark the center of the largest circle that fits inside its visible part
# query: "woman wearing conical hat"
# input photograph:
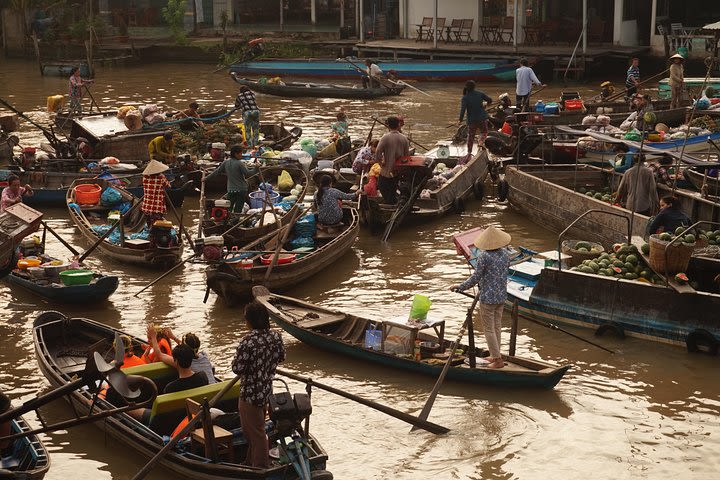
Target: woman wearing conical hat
(490, 275)
(154, 185)
(677, 79)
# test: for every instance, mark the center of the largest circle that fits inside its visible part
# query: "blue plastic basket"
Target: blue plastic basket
(257, 198)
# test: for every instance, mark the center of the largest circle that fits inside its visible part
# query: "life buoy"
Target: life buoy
(616, 330)
(458, 205)
(503, 189)
(478, 189)
(701, 340)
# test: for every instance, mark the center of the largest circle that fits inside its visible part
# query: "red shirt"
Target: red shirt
(154, 193)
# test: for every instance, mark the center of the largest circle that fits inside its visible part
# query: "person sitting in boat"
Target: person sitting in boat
(371, 187)
(162, 148)
(606, 90)
(152, 354)
(640, 104)
(154, 184)
(246, 102)
(490, 275)
(328, 202)
(76, 84)
(200, 362)
(503, 110)
(190, 112)
(661, 169)
(14, 193)
(130, 359)
(340, 134)
(473, 102)
(237, 173)
(256, 358)
(669, 217)
(373, 75)
(623, 157)
(638, 189)
(365, 157)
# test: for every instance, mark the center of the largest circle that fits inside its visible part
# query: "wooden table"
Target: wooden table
(401, 323)
(488, 33)
(533, 35)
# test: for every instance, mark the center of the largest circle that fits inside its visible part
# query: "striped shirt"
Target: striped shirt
(246, 101)
(633, 73)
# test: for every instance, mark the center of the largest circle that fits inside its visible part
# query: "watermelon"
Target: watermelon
(632, 259)
(645, 249)
(679, 230)
(681, 278)
(689, 238)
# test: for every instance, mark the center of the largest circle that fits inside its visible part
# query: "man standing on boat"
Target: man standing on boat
(632, 79)
(638, 189)
(391, 146)
(76, 90)
(162, 148)
(256, 358)
(245, 101)
(526, 78)
(373, 75)
(237, 173)
(473, 102)
(490, 275)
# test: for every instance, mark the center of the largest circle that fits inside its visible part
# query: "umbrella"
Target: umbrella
(716, 27)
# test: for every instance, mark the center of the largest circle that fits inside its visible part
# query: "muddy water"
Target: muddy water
(648, 411)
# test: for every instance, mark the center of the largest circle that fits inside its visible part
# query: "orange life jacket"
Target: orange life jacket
(150, 356)
(132, 360)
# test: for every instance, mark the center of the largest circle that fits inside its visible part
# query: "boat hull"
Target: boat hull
(92, 293)
(31, 455)
(299, 90)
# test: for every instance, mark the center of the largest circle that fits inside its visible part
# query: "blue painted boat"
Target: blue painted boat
(483, 71)
(697, 144)
(63, 69)
(653, 312)
(343, 333)
(101, 287)
(29, 459)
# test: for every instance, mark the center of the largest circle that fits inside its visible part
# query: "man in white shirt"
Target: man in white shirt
(373, 75)
(525, 80)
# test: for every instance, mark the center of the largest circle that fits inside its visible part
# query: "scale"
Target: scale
(443, 150)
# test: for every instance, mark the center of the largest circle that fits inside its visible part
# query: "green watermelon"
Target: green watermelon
(681, 278)
(645, 248)
(679, 230)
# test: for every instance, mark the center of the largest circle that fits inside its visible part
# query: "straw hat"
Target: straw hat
(218, 145)
(155, 167)
(492, 238)
(677, 55)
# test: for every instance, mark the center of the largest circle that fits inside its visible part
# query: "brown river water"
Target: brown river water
(647, 411)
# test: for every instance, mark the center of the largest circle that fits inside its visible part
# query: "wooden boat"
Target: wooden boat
(29, 459)
(162, 248)
(101, 287)
(63, 119)
(450, 71)
(16, 222)
(61, 347)
(218, 220)
(233, 282)
(698, 178)
(319, 90)
(693, 85)
(344, 333)
(671, 117)
(550, 196)
(63, 69)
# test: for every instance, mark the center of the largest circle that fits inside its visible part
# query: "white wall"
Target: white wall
(629, 33)
(450, 9)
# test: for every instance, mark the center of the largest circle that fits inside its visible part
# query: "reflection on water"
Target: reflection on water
(648, 411)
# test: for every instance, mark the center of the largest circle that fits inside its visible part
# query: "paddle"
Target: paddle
(552, 326)
(201, 212)
(167, 273)
(105, 235)
(623, 92)
(54, 234)
(433, 394)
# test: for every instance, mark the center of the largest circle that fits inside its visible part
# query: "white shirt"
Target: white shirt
(374, 71)
(525, 79)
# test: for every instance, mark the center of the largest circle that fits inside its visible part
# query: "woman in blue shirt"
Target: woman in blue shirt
(327, 202)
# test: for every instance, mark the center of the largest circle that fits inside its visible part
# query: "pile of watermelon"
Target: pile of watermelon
(624, 262)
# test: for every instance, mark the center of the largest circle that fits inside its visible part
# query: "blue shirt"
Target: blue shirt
(490, 275)
(473, 103)
(525, 79)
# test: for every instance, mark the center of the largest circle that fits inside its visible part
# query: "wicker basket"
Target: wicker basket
(576, 257)
(678, 256)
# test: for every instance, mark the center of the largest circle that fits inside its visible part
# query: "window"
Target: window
(629, 10)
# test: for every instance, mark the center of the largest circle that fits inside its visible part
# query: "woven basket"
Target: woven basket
(568, 248)
(678, 256)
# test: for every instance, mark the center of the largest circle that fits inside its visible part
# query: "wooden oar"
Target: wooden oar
(552, 326)
(401, 82)
(201, 215)
(281, 242)
(184, 432)
(615, 96)
(106, 234)
(182, 227)
(405, 417)
(166, 273)
(55, 234)
(425, 413)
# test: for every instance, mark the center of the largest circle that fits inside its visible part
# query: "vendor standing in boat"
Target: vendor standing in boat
(154, 184)
(328, 202)
(632, 78)
(162, 148)
(373, 75)
(391, 146)
(669, 218)
(490, 275)
(256, 358)
(677, 79)
(473, 102)
(638, 189)
(14, 193)
(246, 102)
(76, 83)
(526, 78)
(237, 174)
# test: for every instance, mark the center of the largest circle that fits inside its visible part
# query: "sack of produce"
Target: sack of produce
(420, 307)
(285, 181)
(124, 110)
(133, 120)
(110, 197)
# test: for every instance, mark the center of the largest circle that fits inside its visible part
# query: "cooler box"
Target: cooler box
(574, 105)
(552, 109)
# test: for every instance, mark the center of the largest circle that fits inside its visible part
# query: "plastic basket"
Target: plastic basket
(87, 194)
(257, 198)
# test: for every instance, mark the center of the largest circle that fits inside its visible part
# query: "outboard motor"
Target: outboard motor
(288, 410)
(161, 234)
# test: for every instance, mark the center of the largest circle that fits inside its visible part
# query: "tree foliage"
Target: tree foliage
(174, 15)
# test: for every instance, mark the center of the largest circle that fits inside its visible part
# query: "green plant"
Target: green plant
(174, 15)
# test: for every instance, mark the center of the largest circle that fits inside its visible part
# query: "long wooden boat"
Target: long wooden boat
(484, 71)
(63, 69)
(550, 196)
(29, 459)
(671, 117)
(698, 178)
(234, 283)
(344, 333)
(693, 84)
(16, 222)
(61, 347)
(101, 287)
(319, 90)
(63, 120)
(161, 249)
(220, 221)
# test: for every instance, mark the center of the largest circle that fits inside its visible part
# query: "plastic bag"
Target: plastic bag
(420, 307)
(328, 151)
(285, 181)
(311, 149)
(110, 197)
(373, 339)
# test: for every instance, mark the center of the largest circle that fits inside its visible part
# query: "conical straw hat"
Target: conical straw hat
(492, 238)
(155, 167)
(677, 55)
